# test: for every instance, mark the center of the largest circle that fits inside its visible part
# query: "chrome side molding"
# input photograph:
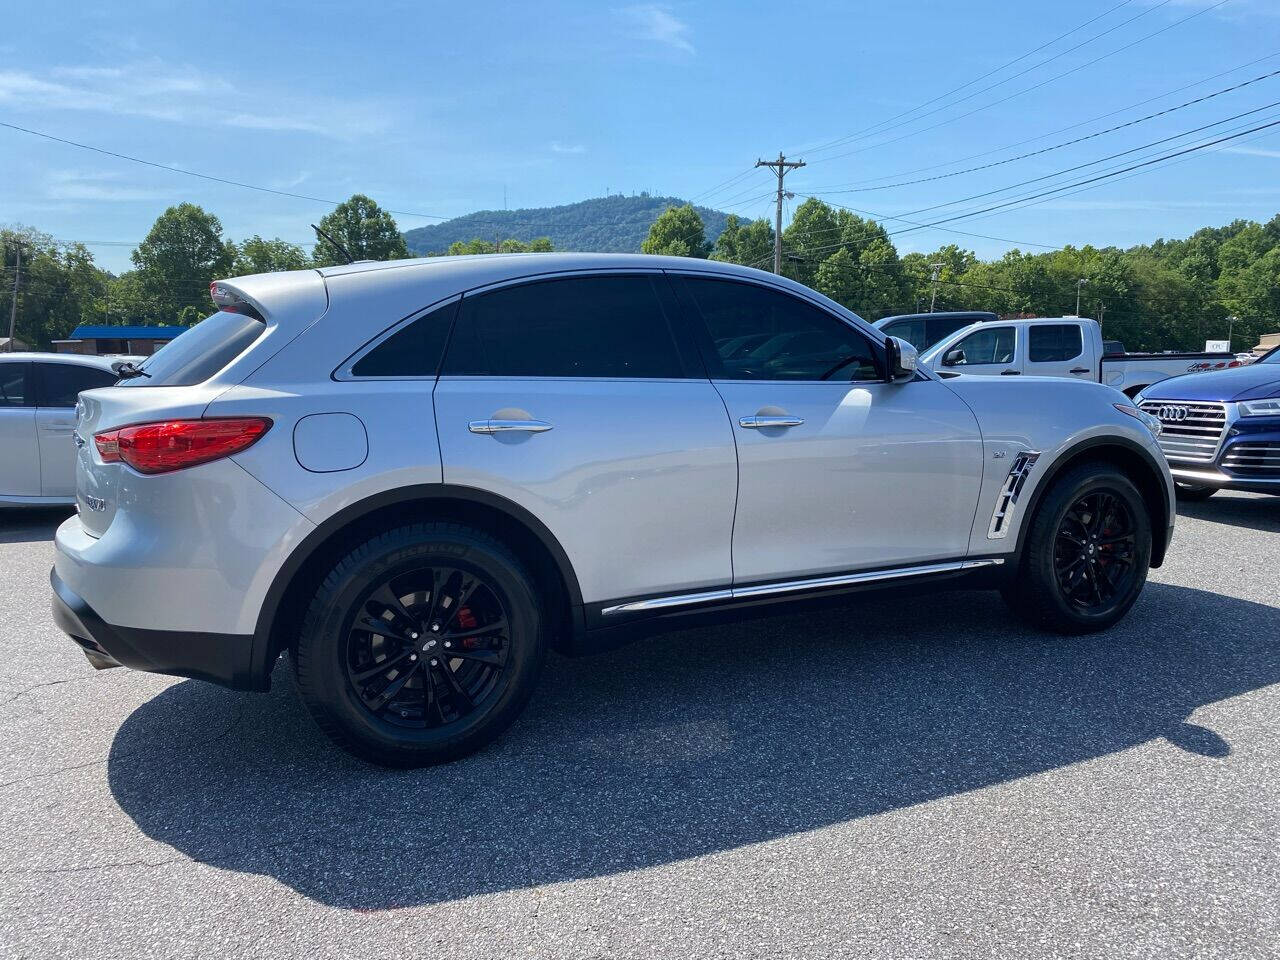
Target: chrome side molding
(792, 586)
(1007, 501)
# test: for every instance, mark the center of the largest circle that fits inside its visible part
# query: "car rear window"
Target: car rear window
(195, 356)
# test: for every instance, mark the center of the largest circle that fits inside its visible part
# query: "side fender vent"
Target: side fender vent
(1007, 502)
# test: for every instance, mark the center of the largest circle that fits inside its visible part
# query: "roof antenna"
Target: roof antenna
(339, 247)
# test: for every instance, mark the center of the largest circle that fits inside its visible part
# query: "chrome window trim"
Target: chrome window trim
(792, 586)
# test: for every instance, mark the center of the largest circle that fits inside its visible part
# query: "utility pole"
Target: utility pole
(937, 274)
(1231, 323)
(1079, 287)
(13, 307)
(780, 167)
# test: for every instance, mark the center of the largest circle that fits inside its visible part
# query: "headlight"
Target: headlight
(1139, 400)
(1261, 408)
(1148, 420)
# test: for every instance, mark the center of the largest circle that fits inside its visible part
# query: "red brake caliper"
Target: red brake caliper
(467, 621)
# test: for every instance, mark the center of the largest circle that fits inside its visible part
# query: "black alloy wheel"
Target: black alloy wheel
(423, 644)
(1095, 551)
(1085, 552)
(429, 647)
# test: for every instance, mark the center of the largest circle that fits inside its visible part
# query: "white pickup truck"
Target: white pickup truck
(1059, 347)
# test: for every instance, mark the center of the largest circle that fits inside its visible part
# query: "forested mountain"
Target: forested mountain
(614, 224)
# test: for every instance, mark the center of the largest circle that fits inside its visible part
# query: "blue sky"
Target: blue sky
(436, 108)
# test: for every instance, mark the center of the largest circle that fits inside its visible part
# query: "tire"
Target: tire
(1193, 493)
(375, 676)
(1057, 553)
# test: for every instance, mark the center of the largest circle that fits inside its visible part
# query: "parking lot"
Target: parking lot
(887, 778)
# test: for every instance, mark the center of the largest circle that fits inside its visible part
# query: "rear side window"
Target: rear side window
(612, 326)
(13, 384)
(1055, 341)
(412, 351)
(794, 340)
(61, 383)
(198, 354)
(912, 331)
(942, 327)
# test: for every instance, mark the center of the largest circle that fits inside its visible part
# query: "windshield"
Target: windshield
(195, 356)
(1272, 357)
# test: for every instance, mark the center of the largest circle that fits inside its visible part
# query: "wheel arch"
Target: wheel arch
(1135, 462)
(296, 581)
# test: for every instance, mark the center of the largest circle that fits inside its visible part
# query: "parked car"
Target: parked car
(923, 330)
(1221, 430)
(1060, 347)
(416, 477)
(37, 418)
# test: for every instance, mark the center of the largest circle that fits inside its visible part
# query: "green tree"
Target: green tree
(750, 243)
(678, 232)
(364, 229)
(182, 254)
(257, 255)
(509, 245)
(61, 287)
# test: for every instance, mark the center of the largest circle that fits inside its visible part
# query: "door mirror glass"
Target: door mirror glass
(903, 359)
(953, 357)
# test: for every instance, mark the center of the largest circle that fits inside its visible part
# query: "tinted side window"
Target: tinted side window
(412, 351)
(795, 341)
(942, 327)
(994, 345)
(1054, 342)
(912, 331)
(61, 382)
(13, 384)
(602, 326)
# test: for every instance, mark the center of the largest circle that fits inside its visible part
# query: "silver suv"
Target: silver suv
(417, 477)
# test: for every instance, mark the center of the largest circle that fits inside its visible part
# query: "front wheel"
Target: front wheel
(1087, 553)
(421, 645)
(1193, 492)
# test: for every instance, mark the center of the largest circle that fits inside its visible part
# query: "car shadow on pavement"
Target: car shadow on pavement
(686, 744)
(1260, 513)
(30, 525)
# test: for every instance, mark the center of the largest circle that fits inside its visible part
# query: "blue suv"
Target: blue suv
(1221, 430)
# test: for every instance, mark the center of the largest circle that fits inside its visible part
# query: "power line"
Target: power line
(1073, 126)
(875, 127)
(1037, 86)
(1059, 146)
(211, 177)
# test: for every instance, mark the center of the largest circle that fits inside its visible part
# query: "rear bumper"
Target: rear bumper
(225, 659)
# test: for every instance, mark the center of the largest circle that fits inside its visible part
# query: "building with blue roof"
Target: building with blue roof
(101, 339)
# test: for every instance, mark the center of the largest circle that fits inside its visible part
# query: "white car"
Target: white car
(1069, 347)
(37, 423)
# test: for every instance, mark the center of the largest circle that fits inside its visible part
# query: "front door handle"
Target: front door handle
(758, 422)
(509, 426)
(1081, 370)
(1010, 373)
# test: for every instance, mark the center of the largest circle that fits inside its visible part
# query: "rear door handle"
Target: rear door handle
(1010, 373)
(758, 422)
(1081, 370)
(509, 426)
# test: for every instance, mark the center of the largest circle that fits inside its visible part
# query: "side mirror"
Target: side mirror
(953, 357)
(903, 359)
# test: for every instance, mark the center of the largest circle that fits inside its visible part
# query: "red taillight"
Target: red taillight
(174, 444)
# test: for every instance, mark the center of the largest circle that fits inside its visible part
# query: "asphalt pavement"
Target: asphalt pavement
(889, 778)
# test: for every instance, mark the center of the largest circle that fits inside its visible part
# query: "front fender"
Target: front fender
(1062, 421)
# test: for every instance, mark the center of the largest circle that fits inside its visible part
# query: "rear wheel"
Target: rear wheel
(1193, 492)
(422, 645)
(1087, 553)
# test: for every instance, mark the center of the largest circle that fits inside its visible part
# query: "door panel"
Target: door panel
(635, 478)
(57, 387)
(19, 451)
(990, 351)
(1059, 350)
(876, 475)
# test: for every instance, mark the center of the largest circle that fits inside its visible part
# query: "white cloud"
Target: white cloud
(558, 147)
(1252, 152)
(656, 22)
(156, 91)
(94, 185)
